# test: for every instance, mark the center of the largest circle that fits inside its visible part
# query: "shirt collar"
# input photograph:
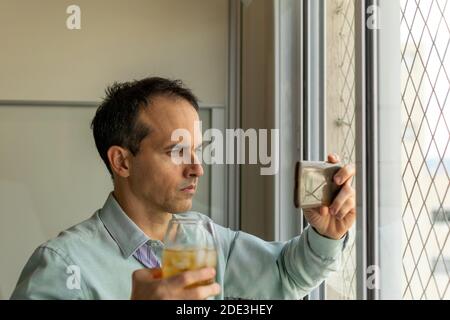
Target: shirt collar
(128, 236)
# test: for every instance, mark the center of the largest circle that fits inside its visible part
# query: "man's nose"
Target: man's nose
(193, 170)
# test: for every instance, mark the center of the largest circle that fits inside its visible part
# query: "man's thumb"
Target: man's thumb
(156, 273)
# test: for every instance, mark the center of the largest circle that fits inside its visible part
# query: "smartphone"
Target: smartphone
(314, 184)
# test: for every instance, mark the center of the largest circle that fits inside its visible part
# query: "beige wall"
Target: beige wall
(119, 40)
(50, 174)
(50, 178)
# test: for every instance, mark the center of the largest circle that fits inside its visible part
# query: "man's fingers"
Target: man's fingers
(346, 192)
(333, 158)
(346, 208)
(191, 277)
(147, 274)
(345, 174)
(203, 292)
(323, 211)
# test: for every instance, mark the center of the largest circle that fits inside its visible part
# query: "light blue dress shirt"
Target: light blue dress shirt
(96, 258)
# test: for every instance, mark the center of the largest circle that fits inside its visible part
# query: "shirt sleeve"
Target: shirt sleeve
(50, 275)
(256, 269)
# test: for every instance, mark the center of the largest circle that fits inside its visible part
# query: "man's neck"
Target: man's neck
(151, 222)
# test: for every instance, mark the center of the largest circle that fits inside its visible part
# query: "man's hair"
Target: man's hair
(116, 120)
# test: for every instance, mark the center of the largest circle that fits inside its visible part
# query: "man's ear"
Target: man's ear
(119, 161)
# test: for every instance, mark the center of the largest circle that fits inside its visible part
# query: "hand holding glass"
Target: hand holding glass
(189, 244)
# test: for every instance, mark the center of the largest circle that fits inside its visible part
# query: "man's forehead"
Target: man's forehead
(164, 120)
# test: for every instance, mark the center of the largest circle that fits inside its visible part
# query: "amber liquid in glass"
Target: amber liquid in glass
(176, 261)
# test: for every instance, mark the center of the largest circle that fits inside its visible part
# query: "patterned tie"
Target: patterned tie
(147, 257)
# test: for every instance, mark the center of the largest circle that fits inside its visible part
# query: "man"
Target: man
(116, 254)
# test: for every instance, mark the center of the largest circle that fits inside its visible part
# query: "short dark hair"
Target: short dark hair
(115, 122)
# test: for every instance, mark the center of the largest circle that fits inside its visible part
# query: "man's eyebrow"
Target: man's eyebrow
(201, 145)
(171, 146)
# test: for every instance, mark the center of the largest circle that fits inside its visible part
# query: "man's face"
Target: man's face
(154, 178)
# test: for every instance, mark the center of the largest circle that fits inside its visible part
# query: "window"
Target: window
(425, 40)
(382, 94)
(340, 117)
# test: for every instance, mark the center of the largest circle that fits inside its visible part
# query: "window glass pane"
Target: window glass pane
(340, 117)
(425, 68)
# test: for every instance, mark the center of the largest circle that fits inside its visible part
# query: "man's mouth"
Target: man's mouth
(189, 189)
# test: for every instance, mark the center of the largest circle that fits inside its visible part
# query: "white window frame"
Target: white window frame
(299, 37)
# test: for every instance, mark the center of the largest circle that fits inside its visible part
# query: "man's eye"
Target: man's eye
(175, 151)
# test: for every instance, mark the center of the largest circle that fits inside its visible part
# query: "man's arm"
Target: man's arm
(256, 269)
(48, 274)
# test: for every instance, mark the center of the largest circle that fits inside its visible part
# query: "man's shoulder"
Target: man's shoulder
(79, 235)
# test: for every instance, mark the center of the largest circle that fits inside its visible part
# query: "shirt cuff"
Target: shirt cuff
(325, 247)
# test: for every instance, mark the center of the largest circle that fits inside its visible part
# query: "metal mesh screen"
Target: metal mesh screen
(425, 39)
(340, 113)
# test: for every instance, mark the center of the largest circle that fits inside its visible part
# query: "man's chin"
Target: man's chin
(182, 206)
